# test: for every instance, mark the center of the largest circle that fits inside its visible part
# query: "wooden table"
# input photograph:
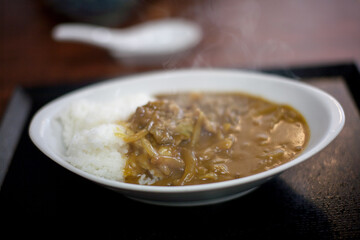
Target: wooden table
(237, 33)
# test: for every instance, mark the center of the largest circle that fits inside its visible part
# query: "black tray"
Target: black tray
(34, 187)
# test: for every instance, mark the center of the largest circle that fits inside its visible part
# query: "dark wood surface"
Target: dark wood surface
(237, 33)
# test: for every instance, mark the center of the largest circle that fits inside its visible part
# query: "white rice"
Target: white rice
(89, 134)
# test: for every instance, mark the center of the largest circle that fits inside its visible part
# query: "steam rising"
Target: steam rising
(239, 40)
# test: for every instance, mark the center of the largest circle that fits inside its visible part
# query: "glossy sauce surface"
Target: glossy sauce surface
(195, 138)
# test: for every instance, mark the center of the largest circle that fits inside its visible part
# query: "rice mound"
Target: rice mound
(89, 134)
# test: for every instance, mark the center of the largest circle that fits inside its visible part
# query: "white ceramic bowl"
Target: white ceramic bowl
(323, 113)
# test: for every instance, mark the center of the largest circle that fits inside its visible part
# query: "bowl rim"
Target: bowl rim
(40, 116)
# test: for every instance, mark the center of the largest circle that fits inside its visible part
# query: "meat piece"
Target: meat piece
(165, 121)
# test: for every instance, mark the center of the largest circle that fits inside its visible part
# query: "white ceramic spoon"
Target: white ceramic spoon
(149, 40)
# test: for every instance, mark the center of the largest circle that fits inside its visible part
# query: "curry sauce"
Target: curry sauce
(195, 138)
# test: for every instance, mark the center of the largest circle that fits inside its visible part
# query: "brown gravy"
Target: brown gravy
(195, 138)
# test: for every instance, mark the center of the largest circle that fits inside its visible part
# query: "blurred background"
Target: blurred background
(246, 34)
